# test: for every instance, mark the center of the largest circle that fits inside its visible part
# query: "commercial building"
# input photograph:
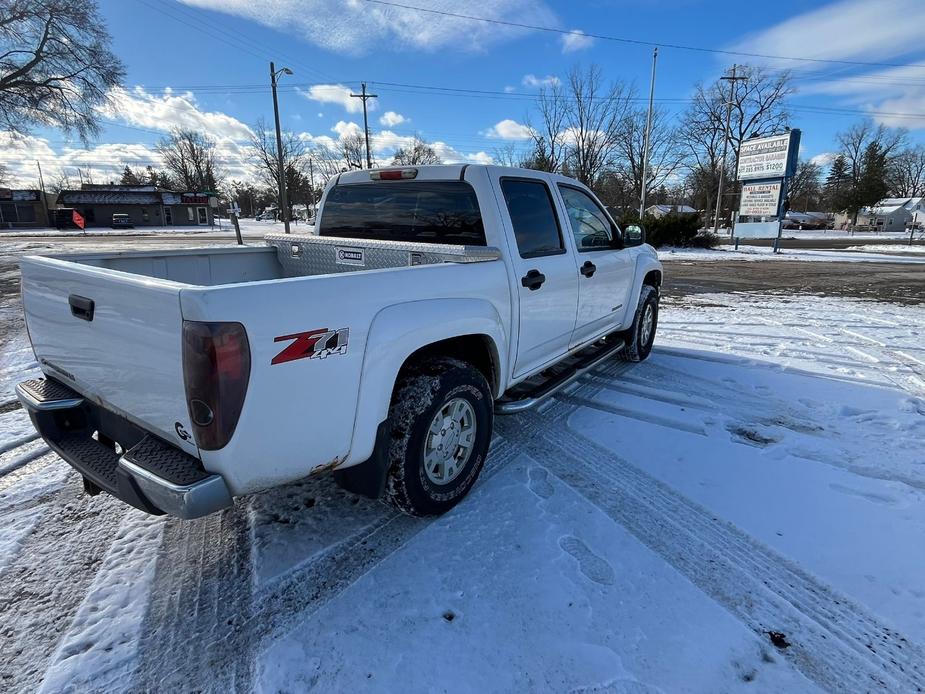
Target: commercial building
(144, 205)
(22, 209)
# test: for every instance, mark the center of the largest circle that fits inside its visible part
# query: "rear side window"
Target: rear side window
(533, 217)
(417, 211)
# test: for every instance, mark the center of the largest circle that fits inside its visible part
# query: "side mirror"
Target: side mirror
(634, 235)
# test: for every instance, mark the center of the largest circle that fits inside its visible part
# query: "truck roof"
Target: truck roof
(436, 172)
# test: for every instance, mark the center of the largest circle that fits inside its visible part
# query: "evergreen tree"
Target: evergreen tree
(838, 185)
(872, 186)
(130, 178)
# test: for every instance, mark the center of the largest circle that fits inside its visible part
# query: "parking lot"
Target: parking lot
(743, 509)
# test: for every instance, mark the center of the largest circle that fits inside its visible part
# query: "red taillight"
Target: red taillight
(216, 367)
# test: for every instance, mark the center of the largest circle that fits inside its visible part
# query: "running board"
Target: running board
(524, 397)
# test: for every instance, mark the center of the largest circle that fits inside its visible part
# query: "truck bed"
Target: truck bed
(284, 256)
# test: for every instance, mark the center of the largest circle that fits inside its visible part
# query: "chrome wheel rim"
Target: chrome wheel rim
(648, 325)
(449, 442)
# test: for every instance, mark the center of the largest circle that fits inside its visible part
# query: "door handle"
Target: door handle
(81, 307)
(533, 280)
(588, 268)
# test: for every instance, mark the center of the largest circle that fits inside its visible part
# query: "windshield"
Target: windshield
(417, 211)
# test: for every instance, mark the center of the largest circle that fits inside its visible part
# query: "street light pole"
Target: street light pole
(722, 171)
(645, 148)
(281, 169)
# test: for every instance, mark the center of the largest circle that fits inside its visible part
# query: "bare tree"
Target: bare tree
(548, 146)
(579, 125)
(296, 155)
(758, 109)
(417, 152)
(55, 65)
(906, 173)
(353, 151)
(665, 150)
(190, 158)
(60, 181)
(805, 189)
(509, 154)
(326, 162)
(595, 115)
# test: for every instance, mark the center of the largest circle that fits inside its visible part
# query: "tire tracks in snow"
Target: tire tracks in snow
(47, 582)
(207, 623)
(832, 640)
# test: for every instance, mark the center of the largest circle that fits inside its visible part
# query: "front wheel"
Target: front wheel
(641, 335)
(440, 420)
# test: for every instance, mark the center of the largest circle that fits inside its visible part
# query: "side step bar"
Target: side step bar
(523, 397)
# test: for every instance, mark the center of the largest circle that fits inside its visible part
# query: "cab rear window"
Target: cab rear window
(416, 211)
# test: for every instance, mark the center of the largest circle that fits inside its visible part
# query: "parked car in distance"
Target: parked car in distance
(122, 221)
(430, 299)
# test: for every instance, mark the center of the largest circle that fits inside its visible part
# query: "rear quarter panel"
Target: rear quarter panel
(299, 415)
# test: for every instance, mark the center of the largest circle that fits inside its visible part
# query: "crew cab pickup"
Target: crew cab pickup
(427, 300)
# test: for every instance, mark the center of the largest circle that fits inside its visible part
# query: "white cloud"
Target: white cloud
(845, 30)
(510, 90)
(390, 119)
(576, 40)
(508, 129)
(356, 28)
(855, 30)
(547, 81)
(337, 94)
(824, 159)
(169, 110)
(344, 129)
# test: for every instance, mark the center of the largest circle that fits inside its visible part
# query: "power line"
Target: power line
(638, 42)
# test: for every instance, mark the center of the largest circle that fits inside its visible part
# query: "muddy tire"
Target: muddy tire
(440, 420)
(641, 335)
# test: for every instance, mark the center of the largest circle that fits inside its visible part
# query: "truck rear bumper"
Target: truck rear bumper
(119, 457)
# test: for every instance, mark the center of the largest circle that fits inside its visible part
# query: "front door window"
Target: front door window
(203, 215)
(168, 216)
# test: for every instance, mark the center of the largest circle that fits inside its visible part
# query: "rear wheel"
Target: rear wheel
(440, 420)
(641, 335)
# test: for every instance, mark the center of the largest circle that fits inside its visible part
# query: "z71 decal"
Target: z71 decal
(314, 344)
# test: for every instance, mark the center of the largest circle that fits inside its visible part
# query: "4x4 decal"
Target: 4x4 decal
(314, 344)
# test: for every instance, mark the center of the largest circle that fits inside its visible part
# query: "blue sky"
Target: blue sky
(204, 64)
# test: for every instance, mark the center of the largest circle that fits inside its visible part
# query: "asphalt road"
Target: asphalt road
(896, 283)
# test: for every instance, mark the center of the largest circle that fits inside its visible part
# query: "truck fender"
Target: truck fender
(400, 330)
(645, 263)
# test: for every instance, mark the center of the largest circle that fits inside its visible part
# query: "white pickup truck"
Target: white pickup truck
(429, 299)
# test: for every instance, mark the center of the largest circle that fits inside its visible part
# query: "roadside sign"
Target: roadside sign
(78, 219)
(760, 199)
(769, 157)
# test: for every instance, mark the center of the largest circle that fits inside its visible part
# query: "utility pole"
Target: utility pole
(645, 148)
(44, 195)
(311, 182)
(363, 95)
(281, 169)
(722, 171)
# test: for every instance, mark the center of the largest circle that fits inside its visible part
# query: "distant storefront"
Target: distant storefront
(144, 205)
(21, 209)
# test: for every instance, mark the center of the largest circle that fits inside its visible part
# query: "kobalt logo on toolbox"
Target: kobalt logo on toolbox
(313, 344)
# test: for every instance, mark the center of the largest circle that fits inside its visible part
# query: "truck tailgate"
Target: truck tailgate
(114, 337)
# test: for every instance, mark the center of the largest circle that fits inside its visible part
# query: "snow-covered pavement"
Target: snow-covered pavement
(744, 509)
